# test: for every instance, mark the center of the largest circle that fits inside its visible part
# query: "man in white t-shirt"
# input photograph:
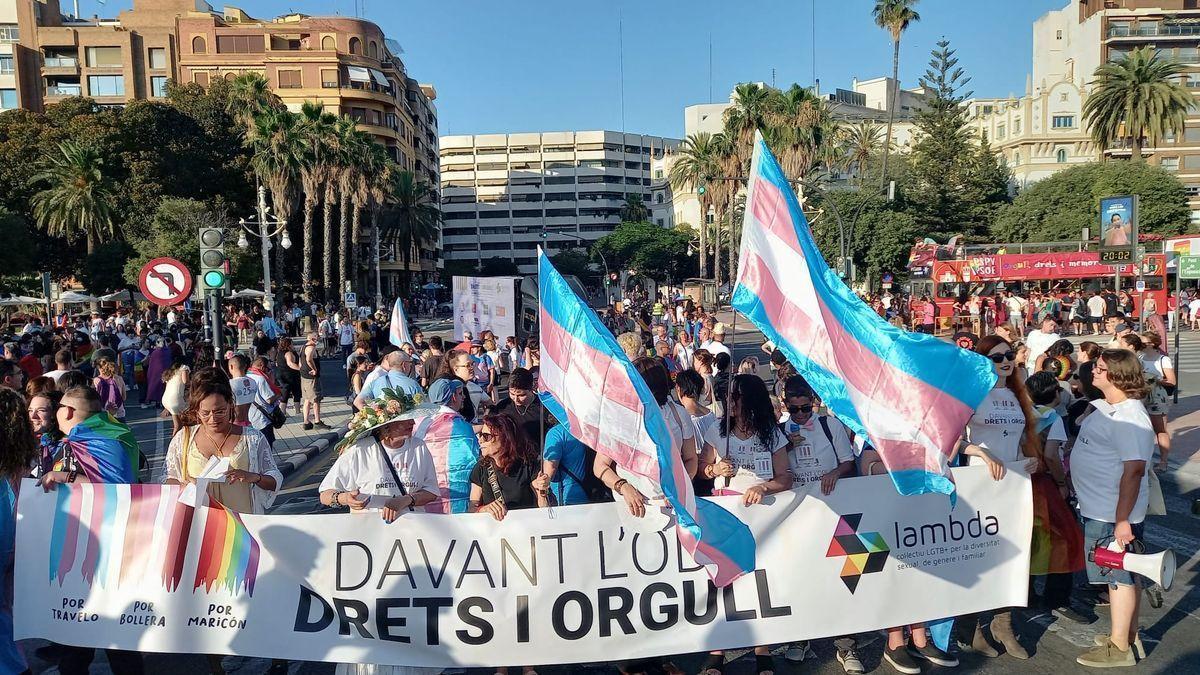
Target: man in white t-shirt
(819, 449)
(1095, 306)
(252, 396)
(717, 344)
(1040, 339)
(63, 362)
(1016, 306)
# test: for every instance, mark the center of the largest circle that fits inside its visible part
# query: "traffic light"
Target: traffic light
(214, 265)
(544, 234)
(701, 190)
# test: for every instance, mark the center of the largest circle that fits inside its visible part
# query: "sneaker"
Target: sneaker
(1068, 613)
(899, 659)
(797, 651)
(850, 661)
(1138, 649)
(1106, 656)
(932, 654)
(1154, 593)
(307, 426)
(321, 425)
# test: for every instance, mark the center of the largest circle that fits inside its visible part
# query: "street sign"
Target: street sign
(1140, 286)
(1189, 267)
(165, 282)
(351, 301)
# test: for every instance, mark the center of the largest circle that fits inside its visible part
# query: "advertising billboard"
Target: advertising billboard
(1118, 229)
(485, 303)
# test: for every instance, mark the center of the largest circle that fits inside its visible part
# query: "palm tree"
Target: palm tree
(277, 145)
(411, 219)
(634, 210)
(317, 125)
(250, 95)
(353, 143)
(894, 16)
(381, 184)
(861, 140)
(750, 112)
(1138, 98)
(372, 162)
(336, 162)
(694, 168)
(77, 200)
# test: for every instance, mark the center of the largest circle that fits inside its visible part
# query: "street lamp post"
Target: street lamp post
(607, 275)
(265, 234)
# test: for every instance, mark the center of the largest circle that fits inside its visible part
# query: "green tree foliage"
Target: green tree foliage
(878, 236)
(573, 262)
(1059, 207)
(172, 231)
(634, 209)
(954, 183)
(17, 253)
(76, 199)
(1137, 98)
(647, 248)
(102, 269)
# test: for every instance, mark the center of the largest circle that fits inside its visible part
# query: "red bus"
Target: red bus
(949, 281)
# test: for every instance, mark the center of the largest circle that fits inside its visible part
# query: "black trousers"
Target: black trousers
(77, 660)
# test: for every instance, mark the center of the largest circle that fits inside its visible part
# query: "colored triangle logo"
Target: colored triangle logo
(835, 549)
(843, 528)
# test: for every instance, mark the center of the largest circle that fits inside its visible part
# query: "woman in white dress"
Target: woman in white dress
(1160, 376)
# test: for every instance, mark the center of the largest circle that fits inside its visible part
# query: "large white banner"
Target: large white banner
(485, 303)
(114, 566)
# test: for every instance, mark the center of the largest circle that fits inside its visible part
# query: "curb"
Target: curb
(293, 464)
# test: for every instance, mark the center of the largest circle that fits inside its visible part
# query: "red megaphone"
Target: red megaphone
(1158, 567)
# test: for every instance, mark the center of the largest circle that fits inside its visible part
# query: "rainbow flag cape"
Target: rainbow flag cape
(106, 450)
(455, 450)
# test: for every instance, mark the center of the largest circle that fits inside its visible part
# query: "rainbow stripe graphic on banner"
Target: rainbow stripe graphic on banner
(114, 535)
(228, 554)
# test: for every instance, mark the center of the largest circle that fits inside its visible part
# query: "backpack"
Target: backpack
(110, 395)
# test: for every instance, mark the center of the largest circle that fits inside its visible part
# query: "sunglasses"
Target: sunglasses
(486, 436)
(793, 409)
(1001, 358)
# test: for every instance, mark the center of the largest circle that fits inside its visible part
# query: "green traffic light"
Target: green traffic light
(214, 279)
(702, 190)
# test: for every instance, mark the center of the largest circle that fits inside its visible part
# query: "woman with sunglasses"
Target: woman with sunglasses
(1004, 429)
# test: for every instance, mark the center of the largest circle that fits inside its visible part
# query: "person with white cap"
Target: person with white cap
(717, 343)
(394, 372)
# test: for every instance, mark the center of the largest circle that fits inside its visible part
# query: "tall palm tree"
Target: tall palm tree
(634, 210)
(381, 184)
(277, 145)
(317, 125)
(894, 16)
(412, 220)
(1137, 98)
(861, 140)
(353, 143)
(333, 175)
(372, 162)
(694, 169)
(250, 95)
(749, 112)
(77, 200)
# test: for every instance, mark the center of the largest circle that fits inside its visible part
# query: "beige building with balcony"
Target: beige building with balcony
(501, 192)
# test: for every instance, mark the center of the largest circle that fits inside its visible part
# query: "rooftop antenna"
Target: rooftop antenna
(773, 78)
(621, 62)
(710, 68)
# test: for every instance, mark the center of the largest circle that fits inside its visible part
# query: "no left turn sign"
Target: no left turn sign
(165, 282)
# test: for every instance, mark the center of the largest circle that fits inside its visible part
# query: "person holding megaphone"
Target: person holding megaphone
(1108, 470)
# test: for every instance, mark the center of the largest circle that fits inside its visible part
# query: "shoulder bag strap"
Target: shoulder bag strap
(387, 461)
(494, 482)
(825, 427)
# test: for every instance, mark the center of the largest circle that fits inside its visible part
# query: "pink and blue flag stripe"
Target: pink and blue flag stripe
(398, 326)
(910, 394)
(455, 450)
(586, 380)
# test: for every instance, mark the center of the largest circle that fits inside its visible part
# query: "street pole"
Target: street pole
(265, 236)
(378, 284)
(1178, 299)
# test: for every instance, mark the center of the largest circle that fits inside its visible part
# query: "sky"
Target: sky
(507, 66)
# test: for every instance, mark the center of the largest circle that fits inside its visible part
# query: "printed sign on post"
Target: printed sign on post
(351, 301)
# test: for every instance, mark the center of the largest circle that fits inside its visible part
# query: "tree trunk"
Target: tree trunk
(310, 205)
(1136, 149)
(734, 246)
(328, 252)
(343, 237)
(355, 235)
(703, 239)
(375, 255)
(717, 253)
(887, 141)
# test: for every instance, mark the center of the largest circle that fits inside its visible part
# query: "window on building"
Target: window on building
(1058, 35)
(8, 99)
(1000, 132)
(661, 222)
(240, 44)
(1191, 134)
(230, 76)
(658, 173)
(658, 199)
(1061, 156)
(289, 79)
(103, 57)
(1016, 158)
(1191, 161)
(355, 45)
(6, 63)
(358, 114)
(372, 49)
(9, 33)
(106, 85)
(1169, 163)
(200, 78)
(1063, 121)
(329, 43)
(199, 46)
(158, 86)
(329, 78)
(1016, 127)
(157, 57)
(493, 215)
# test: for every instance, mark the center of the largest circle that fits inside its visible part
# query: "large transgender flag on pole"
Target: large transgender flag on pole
(586, 380)
(398, 326)
(911, 394)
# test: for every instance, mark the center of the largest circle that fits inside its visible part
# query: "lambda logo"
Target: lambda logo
(865, 552)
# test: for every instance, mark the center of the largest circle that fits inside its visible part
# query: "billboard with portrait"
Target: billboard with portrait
(1118, 228)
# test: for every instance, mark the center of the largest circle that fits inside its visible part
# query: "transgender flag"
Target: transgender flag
(586, 380)
(398, 326)
(911, 394)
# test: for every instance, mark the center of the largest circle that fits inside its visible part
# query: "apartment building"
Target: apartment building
(346, 63)
(501, 192)
(1068, 45)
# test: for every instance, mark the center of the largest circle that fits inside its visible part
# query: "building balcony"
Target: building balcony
(64, 90)
(1183, 31)
(60, 65)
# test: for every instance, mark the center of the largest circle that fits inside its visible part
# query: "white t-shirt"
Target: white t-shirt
(247, 390)
(56, 374)
(816, 455)
(361, 468)
(713, 347)
(258, 419)
(1110, 436)
(1095, 305)
(1194, 306)
(346, 334)
(1015, 304)
(1038, 342)
(674, 415)
(997, 426)
(753, 461)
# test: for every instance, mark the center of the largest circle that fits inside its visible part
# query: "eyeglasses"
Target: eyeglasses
(1001, 358)
(1096, 370)
(486, 437)
(216, 412)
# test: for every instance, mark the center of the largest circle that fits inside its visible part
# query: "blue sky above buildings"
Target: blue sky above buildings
(503, 66)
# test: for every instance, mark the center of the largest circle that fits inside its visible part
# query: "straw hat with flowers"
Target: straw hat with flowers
(392, 406)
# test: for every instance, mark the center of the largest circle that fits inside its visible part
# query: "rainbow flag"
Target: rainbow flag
(106, 450)
(228, 554)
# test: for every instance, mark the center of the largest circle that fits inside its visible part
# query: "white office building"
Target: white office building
(500, 192)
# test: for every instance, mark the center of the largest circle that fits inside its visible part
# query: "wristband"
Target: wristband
(337, 494)
(619, 484)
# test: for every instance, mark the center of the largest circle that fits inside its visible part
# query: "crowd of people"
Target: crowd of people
(457, 427)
